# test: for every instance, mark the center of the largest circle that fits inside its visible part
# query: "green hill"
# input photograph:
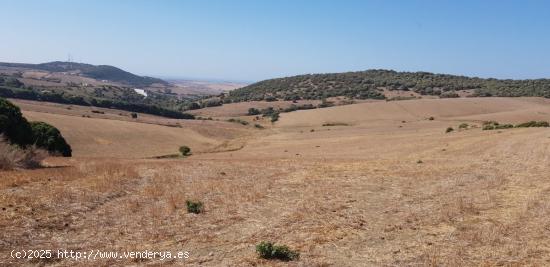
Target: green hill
(369, 84)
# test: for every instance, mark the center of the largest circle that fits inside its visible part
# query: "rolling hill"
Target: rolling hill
(372, 84)
(99, 72)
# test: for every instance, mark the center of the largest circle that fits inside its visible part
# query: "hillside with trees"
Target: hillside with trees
(370, 84)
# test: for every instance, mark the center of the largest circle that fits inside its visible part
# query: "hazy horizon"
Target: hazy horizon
(251, 41)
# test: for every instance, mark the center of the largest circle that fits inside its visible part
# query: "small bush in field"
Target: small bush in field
(194, 206)
(267, 250)
(134, 115)
(449, 129)
(463, 126)
(185, 151)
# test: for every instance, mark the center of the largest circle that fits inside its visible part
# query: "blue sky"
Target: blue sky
(254, 40)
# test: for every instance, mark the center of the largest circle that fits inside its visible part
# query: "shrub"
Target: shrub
(449, 129)
(274, 117)
(185, 151)
(258, 126)
(431, 118)
(268, 250)
(17, 130)
(49, 138)
(13, 125)
(463, 126)
(253, 111)
(238, 121)
(493, 125)
(335, 124)
(533, 124)
(133, 115)
(194, 206)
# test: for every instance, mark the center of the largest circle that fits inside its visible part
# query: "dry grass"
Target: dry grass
(12, 157)
(341, 196)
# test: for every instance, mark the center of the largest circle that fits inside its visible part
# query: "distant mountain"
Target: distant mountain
(374, 83)
(99, 72)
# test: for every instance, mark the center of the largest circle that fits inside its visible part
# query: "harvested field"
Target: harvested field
(388, 188)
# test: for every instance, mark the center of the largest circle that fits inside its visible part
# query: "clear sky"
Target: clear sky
(254, 40)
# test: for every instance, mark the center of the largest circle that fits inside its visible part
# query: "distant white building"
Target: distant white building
(141, 92)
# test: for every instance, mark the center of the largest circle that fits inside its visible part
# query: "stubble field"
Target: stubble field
(380, 184)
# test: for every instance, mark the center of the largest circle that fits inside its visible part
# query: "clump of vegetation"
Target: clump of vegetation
(463, 126)
(493, 125)
(253, 111)
(301, 107)
(431, 118)
(238, 121)
(419, 161)
(533, 124)
(18, 131)
(98, 111)
(133, 115)
(274, 117)
(194, 206)
(268, 250)
(335, 124)
(49, 138)
(400, 98)
(185, 151)
(449, 129)
(258, 126)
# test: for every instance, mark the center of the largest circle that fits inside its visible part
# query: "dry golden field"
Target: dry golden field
(383, 186)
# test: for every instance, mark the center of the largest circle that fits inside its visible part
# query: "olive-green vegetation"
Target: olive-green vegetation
(493, 125)
(268, 250)
(185, 151)
(194, 206)
(17, 130)
(368, 84)
(238, 121)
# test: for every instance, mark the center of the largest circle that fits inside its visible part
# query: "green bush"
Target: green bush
(238, 121)
(13, 125)
(253, 111)
(449, 129)
(274, 117)
(493, 125)
(134, 115)
(49, 138)
(258, 126)
(185, 151)
(463, 126)
(17, 130)
(533, 124)
(268, 250)
(194, 206)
